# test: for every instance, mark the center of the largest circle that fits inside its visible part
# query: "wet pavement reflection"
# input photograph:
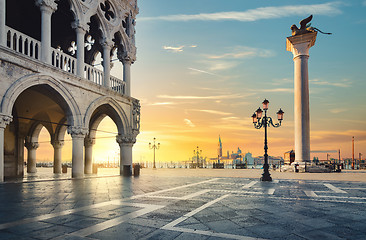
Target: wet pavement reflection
(178, 207)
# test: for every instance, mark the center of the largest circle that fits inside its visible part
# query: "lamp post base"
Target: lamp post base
(266, 176)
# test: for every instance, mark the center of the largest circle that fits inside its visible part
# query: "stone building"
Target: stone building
(47, 79)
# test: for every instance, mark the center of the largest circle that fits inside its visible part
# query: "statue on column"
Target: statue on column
(305, 27)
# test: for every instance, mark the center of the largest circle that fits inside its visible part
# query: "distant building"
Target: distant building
(249, 158)
(289, 157)
(219, 149)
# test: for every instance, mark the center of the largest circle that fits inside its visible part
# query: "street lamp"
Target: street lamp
(154, 146)
(197, 152)
(265, 122)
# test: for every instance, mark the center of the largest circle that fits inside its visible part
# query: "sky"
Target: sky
(204, 66)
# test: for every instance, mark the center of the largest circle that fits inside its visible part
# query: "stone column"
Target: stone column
(107, 46)
(32, 156)
(2, 23)
(77, 135)
(126, 143)
(299, 45)
(57, 153)
(88, 143)
(80, 41)
(4, 121)
(127, 75)
(47, 7)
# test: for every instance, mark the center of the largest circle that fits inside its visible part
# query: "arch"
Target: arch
(35, 130)
(120, 117)
(23, 83)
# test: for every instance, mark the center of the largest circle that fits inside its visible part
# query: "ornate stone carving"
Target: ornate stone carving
(136, 115)
(126, 139)
(5, 120)
(125, 57)
(31, 145)
(107, 9)
(57, 144)
(77, 131)
(77, 24)
(47, 5)
(88, 142)
(105, 42)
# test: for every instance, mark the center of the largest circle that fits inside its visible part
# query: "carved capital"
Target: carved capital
(300, 44)
(31, 145)
(80, 26)
(47, 5)
(77, 131)
(126, 139)
(106, 43)
(57, 144)
(125, 57)
(88, 142)
(5, 120)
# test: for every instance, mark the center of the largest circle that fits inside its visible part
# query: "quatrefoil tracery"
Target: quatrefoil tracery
(106, 8)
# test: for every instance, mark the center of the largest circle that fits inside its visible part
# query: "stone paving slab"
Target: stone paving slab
(178, 207)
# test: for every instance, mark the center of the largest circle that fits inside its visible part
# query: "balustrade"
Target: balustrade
(93, 74)
(63, 61)
(117, 85)
(31, 47)
(22, 43)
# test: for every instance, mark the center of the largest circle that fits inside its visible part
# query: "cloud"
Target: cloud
(174, 49)
(202, 71)
(364, 3)
(230, 96)
(287, 90)
(282, 81)
(241, 52)
(212, 112)
(337, 110)
(344, 84)
(177, 49)
(328, 9)
(219, 66)
(189, 122)
(161, 103)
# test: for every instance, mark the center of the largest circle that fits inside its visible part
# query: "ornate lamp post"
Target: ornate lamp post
(154, 146)
(197, 152)
(265, 122)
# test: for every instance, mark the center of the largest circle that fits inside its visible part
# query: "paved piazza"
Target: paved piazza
(177, 207)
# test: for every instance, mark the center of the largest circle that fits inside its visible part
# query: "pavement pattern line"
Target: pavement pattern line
(118, 220)
(172, 225)
(174, 188)
(52, 215)
(335, 189)
(70, 211)
(310, 193)
(252, 183)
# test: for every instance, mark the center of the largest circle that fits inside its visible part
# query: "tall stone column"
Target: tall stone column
(126, 143)
(57, 153)
(32, 156)
(107, 46)
(299, 45)
(88, 143)
(80, 41)
(47, 7)
(4, 121)
(2, 23)
(77, 135)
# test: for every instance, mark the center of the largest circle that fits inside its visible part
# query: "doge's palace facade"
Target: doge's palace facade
(48, 49)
